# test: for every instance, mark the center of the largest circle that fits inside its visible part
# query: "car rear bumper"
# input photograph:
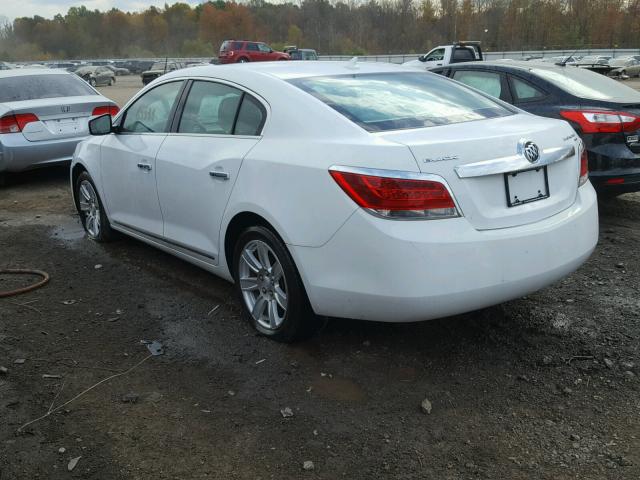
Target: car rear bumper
(400, 271)
(17, 153)
(616, 181)
(614, 168)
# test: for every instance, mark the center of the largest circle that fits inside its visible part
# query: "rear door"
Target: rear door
(198, 163)
(128, 159)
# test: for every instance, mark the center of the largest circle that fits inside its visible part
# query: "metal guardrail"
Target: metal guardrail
(404, 57)
(515, 55)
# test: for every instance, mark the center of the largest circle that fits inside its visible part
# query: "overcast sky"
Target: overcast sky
(48, 8)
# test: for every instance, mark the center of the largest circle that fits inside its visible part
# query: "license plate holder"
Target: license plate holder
(526, 186)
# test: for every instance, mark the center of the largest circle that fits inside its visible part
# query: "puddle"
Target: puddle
(70, 232)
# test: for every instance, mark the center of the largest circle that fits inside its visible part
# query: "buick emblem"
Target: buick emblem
(529, 150)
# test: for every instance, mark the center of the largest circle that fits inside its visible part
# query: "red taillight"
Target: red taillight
(584, 167)
(394, 196)
(106, 109)
(592, 121)
(15, 123)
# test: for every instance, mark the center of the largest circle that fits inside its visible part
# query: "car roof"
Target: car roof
(21, 72)
(291, 70)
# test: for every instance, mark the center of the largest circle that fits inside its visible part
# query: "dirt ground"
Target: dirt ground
(545, 387)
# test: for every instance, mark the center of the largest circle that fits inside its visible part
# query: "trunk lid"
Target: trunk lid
(58, 118)
(473, 158)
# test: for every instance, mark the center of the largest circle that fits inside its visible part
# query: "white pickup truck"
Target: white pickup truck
(445, 54)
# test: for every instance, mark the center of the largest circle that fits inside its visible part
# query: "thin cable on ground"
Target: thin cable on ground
(53, 410)
(20, 271)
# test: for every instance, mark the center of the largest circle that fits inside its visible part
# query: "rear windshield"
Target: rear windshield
(587, 84)
(32, 87)
(395, 101)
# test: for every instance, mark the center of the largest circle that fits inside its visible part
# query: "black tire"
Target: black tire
(112, 82)
(243, 60)
(299, 320)
(106, 233)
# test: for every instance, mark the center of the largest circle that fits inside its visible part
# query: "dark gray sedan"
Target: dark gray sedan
(43, 115)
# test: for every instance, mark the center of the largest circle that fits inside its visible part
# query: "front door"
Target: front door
(198, 165)
(129, 160)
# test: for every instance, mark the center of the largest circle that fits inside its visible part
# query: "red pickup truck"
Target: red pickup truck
(241, 51)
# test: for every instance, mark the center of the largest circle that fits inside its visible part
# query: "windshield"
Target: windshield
(587, 84)
(395, 101)
(32, 87)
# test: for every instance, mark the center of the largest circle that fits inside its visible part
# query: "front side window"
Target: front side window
(487, 82)
(151, 112)
(437, 54)
(524, 91)
(395, 101)
(32, 87)
(264, 48)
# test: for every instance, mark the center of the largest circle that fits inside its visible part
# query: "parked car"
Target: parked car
(458, 52)
(242, 51)
(564, 59)
(4, 66)
(627, 66)
(434, 199)
(96, 75)
(118, 71)
(301, 53)
(136, 66)
(43, 116)
(158, 69)
(604, 112)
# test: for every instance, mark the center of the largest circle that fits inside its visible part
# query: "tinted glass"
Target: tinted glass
(264, 48)
(250, 118)
(393, 101)
(32, 87)
(252, 47)
(587, 84)
(150, 113)
(487, 82)
(210, 109)
(463, 54)
(525, 91)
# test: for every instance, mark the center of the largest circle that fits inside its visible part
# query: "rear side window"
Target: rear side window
(395, 101)
(210, 109)
(487, 82)
(253, 47)
(463, 54)
(33, 87)
(524, 91)
(251, 117)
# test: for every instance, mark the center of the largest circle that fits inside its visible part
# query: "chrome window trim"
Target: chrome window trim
(404, 175)
(513, 163)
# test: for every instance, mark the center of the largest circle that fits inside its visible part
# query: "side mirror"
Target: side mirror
(101, 125)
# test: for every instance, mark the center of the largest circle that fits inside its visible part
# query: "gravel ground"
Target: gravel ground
(544, 387)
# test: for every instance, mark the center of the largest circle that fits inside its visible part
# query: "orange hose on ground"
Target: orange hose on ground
(18, 291)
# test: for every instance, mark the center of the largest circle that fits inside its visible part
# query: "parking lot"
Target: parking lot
(542, 387)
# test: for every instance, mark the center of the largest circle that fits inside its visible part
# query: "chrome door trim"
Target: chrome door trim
(513, 163)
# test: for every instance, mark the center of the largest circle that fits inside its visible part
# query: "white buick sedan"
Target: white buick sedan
(366, 191)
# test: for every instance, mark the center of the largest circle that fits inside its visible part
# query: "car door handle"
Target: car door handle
(218, 174)
(144, 166)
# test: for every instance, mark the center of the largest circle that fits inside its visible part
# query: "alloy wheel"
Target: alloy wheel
(263, 284)
(90, 208)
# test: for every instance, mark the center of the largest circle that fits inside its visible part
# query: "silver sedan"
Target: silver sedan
(43, 116)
